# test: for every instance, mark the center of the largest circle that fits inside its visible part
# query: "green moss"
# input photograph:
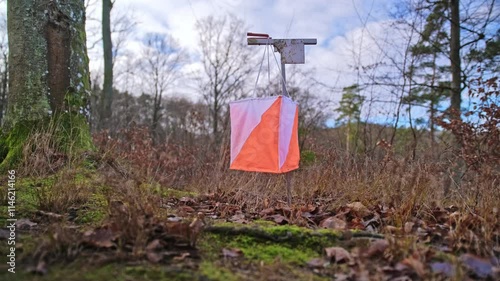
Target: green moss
(12, 143)
(213, 272)
(94, 211)
(267, 243)
(80, 270)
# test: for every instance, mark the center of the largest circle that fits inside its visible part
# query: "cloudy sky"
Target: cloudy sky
(349, 32)
(345, 29)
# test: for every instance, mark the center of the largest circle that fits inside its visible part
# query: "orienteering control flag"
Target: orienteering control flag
(264, 135)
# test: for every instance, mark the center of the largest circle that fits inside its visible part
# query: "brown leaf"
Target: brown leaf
(377, 248)
(231, 253)
(153, 245)
(41, 268)
(100, 237)
(25, 224)
(443, 268)
(4, 234)
(358, 209)
(154, 257)
(195, 228)
(333, 223)
(479, 266)
(267, 212)
(50, 215)
(408, 227)
(182, 257)
(416, 265)
(238, 218)
(185, 209)
(339, 254)
(187, 200)
(317, 263)
(279, 219)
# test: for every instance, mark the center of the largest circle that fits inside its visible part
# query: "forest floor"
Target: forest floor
(92, 224)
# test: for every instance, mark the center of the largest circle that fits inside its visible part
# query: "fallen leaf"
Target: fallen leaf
(358, 209)
(408, 227)
(187, 200)
(182, 257)
(174, 219)
(41, 268)
(100, 237)
(443, 268)
(279, 219)
(317, 263)
(185, 209)
(50, 215)
(267, 212)
(238, 218)
(377, 248)
(338, 253)
(392, 229)
(333, 223)
(416, 265)
(195, 228)
(4, 234)
(153, 245)
(479, 266)
(154, 257)
(231, 253)
(25, 224)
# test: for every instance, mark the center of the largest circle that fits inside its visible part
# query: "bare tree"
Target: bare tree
(107, 44)
(160, 64)
(227, 62)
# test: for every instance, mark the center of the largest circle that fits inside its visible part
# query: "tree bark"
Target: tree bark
(107, 90)
(48, 74)
(456, 78)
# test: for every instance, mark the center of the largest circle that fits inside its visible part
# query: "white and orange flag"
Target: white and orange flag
(264, 135)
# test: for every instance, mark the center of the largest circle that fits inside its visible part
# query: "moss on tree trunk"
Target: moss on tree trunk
(49, 76)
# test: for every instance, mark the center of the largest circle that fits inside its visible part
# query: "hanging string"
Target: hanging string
(268, 47)
(281, 73)
(258, 73)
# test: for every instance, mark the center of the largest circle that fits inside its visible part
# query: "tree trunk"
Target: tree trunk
(49, 79)
(456, 79)
(3, 87)
(107, 90)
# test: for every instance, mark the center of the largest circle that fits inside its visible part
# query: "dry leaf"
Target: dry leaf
(187, 200)
(443, 268)
(25, 224)
(50, 215)
(279, 219)
(182, 257)
(479, 266)
(196, 226)
(416, 265)
(409, 227)
(231, 253)
(154, 257)
(377, 248)
(100, 237)
(317, 263)
(339, 254)
(333, 223)
(238, 218)
(267, 212)
(153, 245)
(359, 209)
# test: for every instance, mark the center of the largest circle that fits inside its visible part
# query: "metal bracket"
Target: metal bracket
(291, 50)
